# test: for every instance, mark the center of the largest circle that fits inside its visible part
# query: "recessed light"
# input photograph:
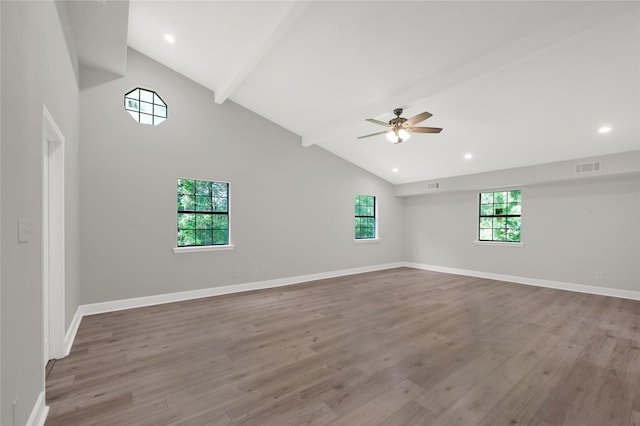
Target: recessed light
(169, 38)
(604, 129)
(468, 156)
(394, 170)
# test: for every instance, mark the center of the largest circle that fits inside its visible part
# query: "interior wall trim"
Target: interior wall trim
(558, 285)
(117, 305)
(70, 335)
(39, 412)
(139, 302)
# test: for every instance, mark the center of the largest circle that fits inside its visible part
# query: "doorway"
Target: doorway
(53, 257)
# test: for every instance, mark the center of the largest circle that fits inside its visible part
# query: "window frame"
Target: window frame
(153, 104)
(506, 216)
(375, 237)
(203, 247)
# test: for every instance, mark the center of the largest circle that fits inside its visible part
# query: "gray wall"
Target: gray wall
(291, 207)
(610, 165)
(36, 70)
(571, 232)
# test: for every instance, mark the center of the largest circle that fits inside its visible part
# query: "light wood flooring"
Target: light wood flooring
(395, 347)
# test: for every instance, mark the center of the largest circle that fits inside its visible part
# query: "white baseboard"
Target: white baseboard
(138, 302)
(580, 288)
(39, 412)
(70, 336)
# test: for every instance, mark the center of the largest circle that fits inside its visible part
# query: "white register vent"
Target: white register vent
(594, 167)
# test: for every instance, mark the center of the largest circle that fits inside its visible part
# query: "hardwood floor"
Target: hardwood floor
(396, 347)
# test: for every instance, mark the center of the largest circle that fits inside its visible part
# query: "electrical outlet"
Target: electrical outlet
(24, 229)
(600, 276)
(236, 273)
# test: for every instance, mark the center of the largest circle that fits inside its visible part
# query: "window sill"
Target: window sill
(366, 240)
(497, 243)
(202, 248)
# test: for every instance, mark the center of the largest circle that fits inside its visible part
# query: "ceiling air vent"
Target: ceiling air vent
(588, 167)
(433, 185)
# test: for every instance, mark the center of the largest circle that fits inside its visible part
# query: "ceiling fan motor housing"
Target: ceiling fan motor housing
(397, 121)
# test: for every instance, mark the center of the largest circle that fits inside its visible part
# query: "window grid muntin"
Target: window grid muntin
(215, 234)
(155, 103)
(506, 220)
(365, 212)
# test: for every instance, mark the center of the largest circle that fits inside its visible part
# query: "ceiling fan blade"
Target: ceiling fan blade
(416, 119)
(374, 121)
(372, 134)
(424, 129)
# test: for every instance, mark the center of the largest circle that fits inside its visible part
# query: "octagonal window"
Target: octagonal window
(145, 106)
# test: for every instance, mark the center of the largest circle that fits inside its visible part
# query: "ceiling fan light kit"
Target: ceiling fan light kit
(397, 136)
(400, 127)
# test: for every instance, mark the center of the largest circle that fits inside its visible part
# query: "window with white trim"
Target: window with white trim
(365, 217)
(203, 213)
(145, 106)
(500, 216)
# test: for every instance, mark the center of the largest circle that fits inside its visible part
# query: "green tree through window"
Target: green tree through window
(500, 216)
(365, 217)
(203, 213)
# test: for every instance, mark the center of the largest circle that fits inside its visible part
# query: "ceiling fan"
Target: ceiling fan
(400, 127)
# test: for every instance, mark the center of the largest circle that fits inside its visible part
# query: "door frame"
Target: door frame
(53, 235)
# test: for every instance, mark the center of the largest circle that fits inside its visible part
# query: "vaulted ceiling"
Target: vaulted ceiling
(512, 83)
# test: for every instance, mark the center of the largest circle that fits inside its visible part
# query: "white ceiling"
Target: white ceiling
(514, 83)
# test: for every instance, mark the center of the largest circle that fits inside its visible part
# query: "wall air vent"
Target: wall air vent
(594, 167)
(433, 185)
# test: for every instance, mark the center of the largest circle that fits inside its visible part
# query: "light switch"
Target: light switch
(24, 229)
